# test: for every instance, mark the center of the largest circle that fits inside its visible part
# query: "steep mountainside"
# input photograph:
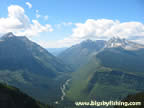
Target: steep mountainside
(138, 97)
(80, 54)
(31, 68)
(11, 97)
(111, 74)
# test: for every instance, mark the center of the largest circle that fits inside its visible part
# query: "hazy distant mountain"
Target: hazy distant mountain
(11, 97)
(114, 72)
(79, 54)
(56, 51)
(30, 67)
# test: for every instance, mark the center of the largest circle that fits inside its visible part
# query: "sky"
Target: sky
(62, 23)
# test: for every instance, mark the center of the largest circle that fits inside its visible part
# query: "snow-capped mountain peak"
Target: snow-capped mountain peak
(8, 35)
(123, 43)
(116, 42)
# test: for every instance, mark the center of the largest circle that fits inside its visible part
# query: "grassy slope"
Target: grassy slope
(131, 61)
(80, 80)
(95, 81)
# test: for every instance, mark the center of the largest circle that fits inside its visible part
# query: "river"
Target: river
(63, 89)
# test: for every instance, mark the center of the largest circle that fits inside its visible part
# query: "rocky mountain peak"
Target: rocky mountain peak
(117, 42)
(7, 36)
(123, 43)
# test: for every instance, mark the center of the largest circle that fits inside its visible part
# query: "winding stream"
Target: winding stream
(63, 88)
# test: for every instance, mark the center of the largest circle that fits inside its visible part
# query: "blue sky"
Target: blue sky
(64, 15)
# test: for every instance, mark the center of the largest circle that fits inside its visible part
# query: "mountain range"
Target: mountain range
(112, 73)
(96, 70)
(79, 54)
(28, 66)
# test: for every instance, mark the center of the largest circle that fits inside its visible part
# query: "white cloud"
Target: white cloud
(63, 24)
(57, 44)
(19, 23)
(37, 15)
(37, 11)
(99, 29)
(104, 29)
(29, 4)
(46, 17)
(36, 28)
(67, 23)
